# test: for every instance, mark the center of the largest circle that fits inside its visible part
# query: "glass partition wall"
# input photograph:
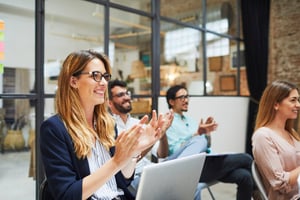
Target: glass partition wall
(151, 44)
(17, 111)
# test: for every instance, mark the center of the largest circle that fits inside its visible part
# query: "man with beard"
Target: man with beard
(120, 107)
(120, 104)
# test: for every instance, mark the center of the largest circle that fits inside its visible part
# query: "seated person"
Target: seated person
(275, 143)
(120, 107)
(80, 155)
(185, 137)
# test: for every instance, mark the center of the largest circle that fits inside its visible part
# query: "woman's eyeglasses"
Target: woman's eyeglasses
(182, 97)
(97, 76)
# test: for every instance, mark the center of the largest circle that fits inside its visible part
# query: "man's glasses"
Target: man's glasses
(97, 76)
(182, 97)
(122, 94)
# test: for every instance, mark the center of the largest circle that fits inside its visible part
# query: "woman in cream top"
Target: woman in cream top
(275, 144)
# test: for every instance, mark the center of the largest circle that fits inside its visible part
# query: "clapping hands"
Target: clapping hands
(207, 127)
(140, 137)
(152, 131)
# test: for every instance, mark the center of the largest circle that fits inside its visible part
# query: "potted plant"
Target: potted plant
(14, 138)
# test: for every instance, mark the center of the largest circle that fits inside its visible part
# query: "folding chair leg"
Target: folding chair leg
(211, 194)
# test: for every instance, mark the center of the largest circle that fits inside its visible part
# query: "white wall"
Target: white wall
(18, 41)
(229, 112)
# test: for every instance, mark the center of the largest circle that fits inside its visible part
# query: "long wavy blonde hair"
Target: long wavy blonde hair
(274, 93)
(69, 108)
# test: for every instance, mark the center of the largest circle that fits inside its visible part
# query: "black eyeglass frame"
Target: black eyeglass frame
(182, 97)
(94, 74)
(122, 94)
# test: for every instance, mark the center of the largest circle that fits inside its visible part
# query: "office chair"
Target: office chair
(257, 178)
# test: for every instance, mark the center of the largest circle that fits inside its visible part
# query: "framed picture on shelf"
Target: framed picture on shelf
(215, 63)
(227, 83)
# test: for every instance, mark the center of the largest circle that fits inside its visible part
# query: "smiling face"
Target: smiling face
(289, 107)
(120, 102)
(91, 92)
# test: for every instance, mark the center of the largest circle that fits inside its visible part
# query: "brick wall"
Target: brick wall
(284, 53)
(284, 57)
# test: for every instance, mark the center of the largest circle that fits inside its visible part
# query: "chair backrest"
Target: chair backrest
(258, 181)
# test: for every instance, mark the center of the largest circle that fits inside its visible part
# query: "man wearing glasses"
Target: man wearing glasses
(187, 136)
(120, 107)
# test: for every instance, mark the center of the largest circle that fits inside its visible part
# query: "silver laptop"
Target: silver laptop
(171, 180)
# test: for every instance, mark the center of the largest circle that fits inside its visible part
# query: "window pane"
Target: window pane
(222, 65)
(17, 29)
(181, 57)
(131, 39)
(237, 64)
(17, 139)
(221, 13)
(67, 29)
(218, 65)
(220, 16)
(17, 62)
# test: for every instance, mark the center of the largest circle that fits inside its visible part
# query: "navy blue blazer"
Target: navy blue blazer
(64, 171)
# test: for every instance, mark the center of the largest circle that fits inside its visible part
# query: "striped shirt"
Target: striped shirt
(98, 157)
